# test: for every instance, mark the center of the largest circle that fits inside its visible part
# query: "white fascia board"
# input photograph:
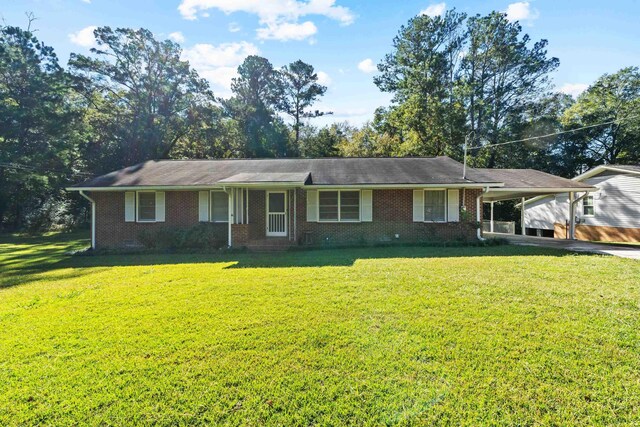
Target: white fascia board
(592, 172)
(281, 184)
(148, 188)
(549, 190)
(404, 186)
(602, 168)
(263, 185)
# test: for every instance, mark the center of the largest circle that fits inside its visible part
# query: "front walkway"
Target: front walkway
(569, 245)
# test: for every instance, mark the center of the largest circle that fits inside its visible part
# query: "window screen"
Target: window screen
(328, 205)
(147, 206)
(349, 206)
(219, 206)
(435, 205)
(588, 206)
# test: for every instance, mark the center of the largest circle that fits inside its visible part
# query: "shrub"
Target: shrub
(201, 236)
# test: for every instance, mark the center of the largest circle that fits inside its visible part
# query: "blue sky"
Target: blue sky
(342, 39)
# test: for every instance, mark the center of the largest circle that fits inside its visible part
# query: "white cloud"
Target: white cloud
(436, 9)
(219, 64)
(323, 78)
(278, 18)
(573, 89)
(287, 31)
(367, 66)
(521, 11)
(86, 1)
(234, 27)
(177, 37)
(84, 37)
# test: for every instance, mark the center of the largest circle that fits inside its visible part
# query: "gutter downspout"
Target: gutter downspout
(93, 218)
(523, 229)
(478, 216)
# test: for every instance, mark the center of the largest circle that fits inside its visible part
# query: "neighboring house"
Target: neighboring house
(270, 203)
(612, 213)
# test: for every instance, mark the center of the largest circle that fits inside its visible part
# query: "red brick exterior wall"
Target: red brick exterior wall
(181, 210)
(257, 214)
(240, 234)
(392, 214)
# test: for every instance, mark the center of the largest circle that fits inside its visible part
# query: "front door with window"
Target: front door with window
(276, 213)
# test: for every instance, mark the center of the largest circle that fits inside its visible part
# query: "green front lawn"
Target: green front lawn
(504, 335)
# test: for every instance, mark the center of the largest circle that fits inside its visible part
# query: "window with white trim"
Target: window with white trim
(146, 206)
(339, 205)
(435, 205)
(219, 206)
(588, 206)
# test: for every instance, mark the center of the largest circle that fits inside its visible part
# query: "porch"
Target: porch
(263, 209)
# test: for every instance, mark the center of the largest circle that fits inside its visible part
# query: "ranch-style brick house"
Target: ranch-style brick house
(277, 203)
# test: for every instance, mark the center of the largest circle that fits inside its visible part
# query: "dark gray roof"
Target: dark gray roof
(257, 178)
(325, 171)
(632, 168)
(529, 178)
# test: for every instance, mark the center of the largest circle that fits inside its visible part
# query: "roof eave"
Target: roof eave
(286, 184)
(599, 169)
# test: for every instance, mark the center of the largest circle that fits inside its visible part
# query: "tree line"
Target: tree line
(454, 78)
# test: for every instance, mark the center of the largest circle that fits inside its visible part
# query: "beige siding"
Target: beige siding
(617, 204)
(541, 213)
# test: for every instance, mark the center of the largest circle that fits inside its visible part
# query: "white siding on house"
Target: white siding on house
(541, 213)
(617, 204)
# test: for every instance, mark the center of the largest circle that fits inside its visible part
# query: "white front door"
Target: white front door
(276, 213)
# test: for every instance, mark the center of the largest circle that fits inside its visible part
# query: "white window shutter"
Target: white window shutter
(129, 206)
(418, 205)
(160, 206)
(312, 205)
(453, 205)
(203, 206)
(366, 205)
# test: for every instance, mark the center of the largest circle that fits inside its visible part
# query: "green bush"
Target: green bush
(201, 236)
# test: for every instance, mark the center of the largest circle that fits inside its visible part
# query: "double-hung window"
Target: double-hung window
(146, 206)
(435, 205)
(339, 205)
(219, 206)
(588, 206)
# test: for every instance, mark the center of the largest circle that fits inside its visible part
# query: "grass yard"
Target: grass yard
(506, 335)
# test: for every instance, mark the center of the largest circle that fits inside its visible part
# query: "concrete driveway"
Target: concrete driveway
(570, 245)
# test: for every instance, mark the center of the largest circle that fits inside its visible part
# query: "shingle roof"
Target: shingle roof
(404, 171)
(529, 178)
(632, 168)
(257, 178)
(324, 171)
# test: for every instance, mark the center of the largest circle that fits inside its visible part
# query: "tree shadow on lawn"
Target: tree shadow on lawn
(44, 256)
(347, 257)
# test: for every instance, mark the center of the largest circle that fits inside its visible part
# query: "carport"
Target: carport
(520, 184)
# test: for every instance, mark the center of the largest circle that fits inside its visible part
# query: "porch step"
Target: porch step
(267, 245)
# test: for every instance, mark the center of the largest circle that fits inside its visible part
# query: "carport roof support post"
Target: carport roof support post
(522, 208)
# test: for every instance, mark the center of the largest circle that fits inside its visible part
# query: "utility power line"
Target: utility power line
(551, 134)
(466, 145)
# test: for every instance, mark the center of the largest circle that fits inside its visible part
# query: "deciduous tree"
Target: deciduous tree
(613, 97)
(146, 97)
